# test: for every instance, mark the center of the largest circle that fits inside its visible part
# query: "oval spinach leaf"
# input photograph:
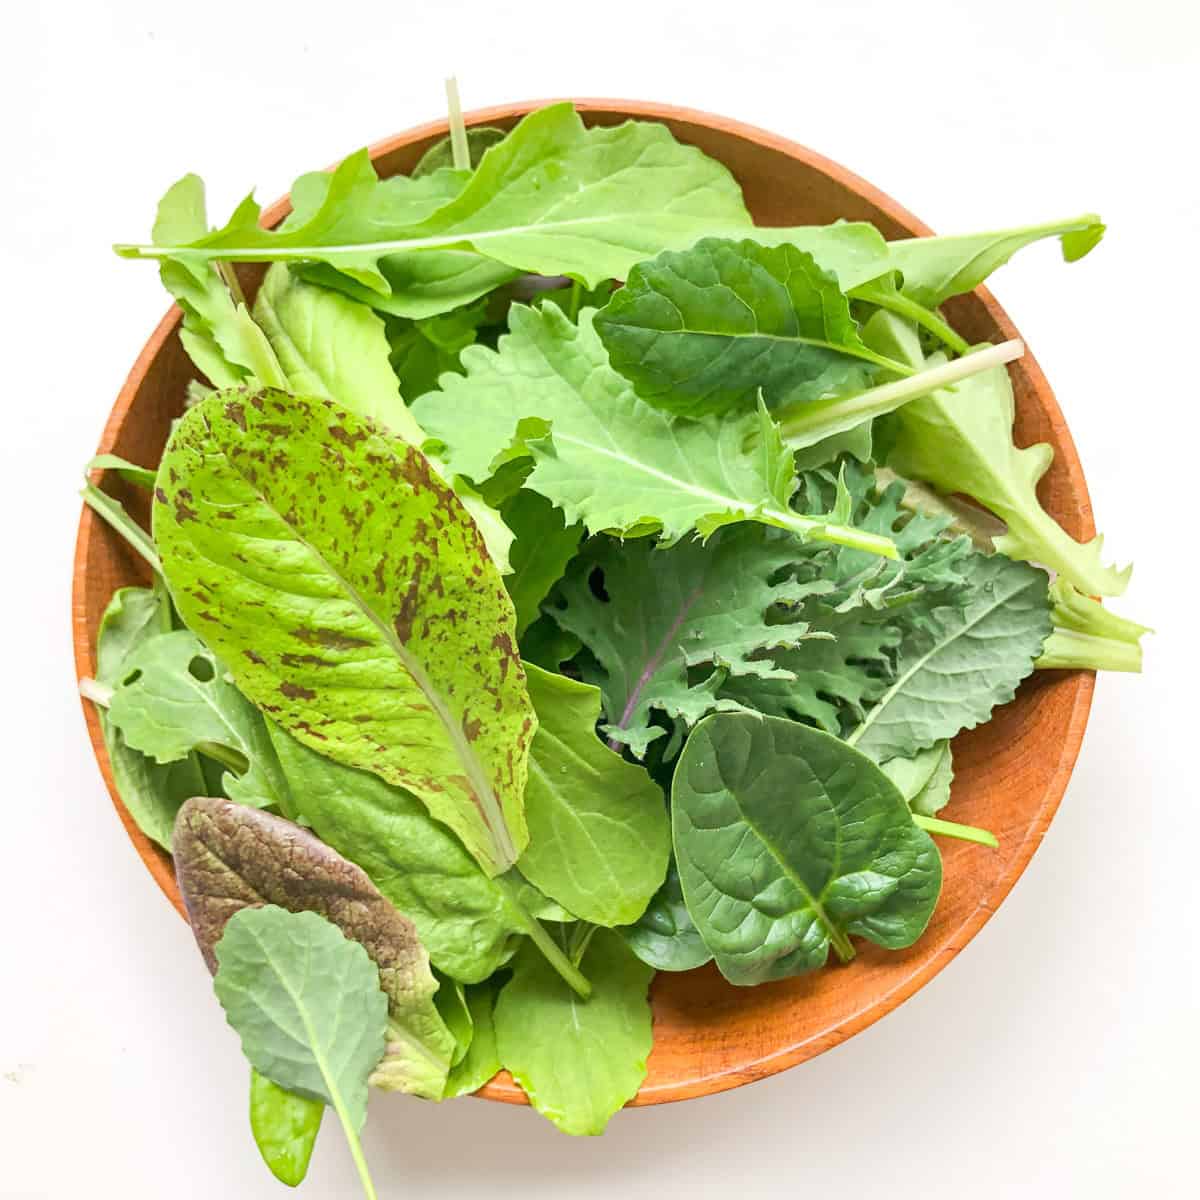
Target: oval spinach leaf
(789, 841)
(665, 935)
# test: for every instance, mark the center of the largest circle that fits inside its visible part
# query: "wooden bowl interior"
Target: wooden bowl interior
(1010, 774)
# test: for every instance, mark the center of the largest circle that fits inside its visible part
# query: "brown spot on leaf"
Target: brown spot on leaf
(330, 638)
(160, 495)
(471, 728)
(303, 660)
(340, 433)
(293, 691)
(255, 657)
(237, 414)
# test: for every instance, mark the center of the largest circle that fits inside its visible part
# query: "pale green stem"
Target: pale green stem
(805, 424)
(113, 513)
(576, 296)
(964, 833)
(460, 150)
(554, 953)
(902, 306)
(356, 1150)
(841, 943)
(95, 691)
(230, 280)
(1067, 649)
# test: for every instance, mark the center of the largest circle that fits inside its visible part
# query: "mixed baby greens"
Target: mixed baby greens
(515, 634)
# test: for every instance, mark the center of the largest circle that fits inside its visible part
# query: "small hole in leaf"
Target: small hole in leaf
(201, 668)
(132, 677)
(596, 584)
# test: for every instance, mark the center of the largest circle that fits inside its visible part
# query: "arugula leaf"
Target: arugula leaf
(307, 1006)
(602, 455)
(957, 663)
(174, 698)
(665, 935)
(228, 857)
(789, 841)
(285, 1127)
(935, 268)
(665, 613)
(151, 791)
(352, 598)
(1087, 635)
(578, 1062)
(482, 1059)
(544, 544)
(599, 837)
(707, 329)
(924, 780)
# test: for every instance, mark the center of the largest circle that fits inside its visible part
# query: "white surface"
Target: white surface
(1057, 1055)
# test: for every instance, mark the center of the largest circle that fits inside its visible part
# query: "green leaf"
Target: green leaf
(935, 268)
(544, 545)
(307, 1006)
(665, 935)
(1088, 635)
(958, 663)
(789, 841)
(924, 780)
(174, 697)
(599, 837)
(441, 154)
(143, 477)
(547, 646)
(602, 455)
(151, 791)
(229, 857)
(451, 1001)
(352, 597)
(423, 351)
(578, 1062)
(482, 1059)
(285, 1128)
(663, 613)
(959, 439)
(707, 329)
(333, 348)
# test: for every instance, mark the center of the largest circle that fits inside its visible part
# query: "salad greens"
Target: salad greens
(559, 579)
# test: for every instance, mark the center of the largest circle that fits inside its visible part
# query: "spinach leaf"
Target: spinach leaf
(599, 837)
(709, 328)
(307, 1006)
(663, 616)
(577, 1061)
(956, 664)
(174, 698)
(544, 544)
(789, 841)
(481, 1060)
(602, 455)
(665, 935)
(151, 791)
(285, 1127)
(353, 599)
(229, 857)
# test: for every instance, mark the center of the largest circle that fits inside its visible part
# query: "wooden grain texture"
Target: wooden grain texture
(1010, 774)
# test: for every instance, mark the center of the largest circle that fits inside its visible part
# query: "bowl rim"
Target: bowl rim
(502, 1087)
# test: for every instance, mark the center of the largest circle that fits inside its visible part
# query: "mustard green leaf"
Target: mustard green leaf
(285, 1127)
(353, 599)
(599, 837)
(789, 842)
(578, 1061)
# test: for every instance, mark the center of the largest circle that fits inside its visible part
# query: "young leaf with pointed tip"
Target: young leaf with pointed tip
(285, 1127)
(599, 837)
(665, 936)
(601, 454)
(482, 1059)
(353, 599)
(708, 329)
(578, 1062)
(924, 780)
(788, 842)
(307, 1006)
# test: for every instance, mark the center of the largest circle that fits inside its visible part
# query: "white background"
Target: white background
(1057, 1055)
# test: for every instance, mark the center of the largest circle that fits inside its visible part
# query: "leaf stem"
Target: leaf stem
(1068, 649)
(964, 833)
(460, 150)
(356, 1153)
(841, 943)
(95, 691)
(576, 297)
(554, 953)
(113, 513)
(806, 424)
(903, 306)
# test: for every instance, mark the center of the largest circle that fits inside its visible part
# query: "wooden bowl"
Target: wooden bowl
(1010, 774)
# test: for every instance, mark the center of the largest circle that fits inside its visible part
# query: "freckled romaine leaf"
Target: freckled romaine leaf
(353, 599)
(957, 662)
(151, 791)
(789, 842)
(924, 780)
(651, 616)
(482, 1060)
(1088, 635)
(467, 921)
(229, 857)
(173, 698)
(578, 1061)
(306, 1004)
(544, 544)
(665, 935)
(602, 455)
(599, 837)
(709, 328)
(285, 1127)
(934, 269)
